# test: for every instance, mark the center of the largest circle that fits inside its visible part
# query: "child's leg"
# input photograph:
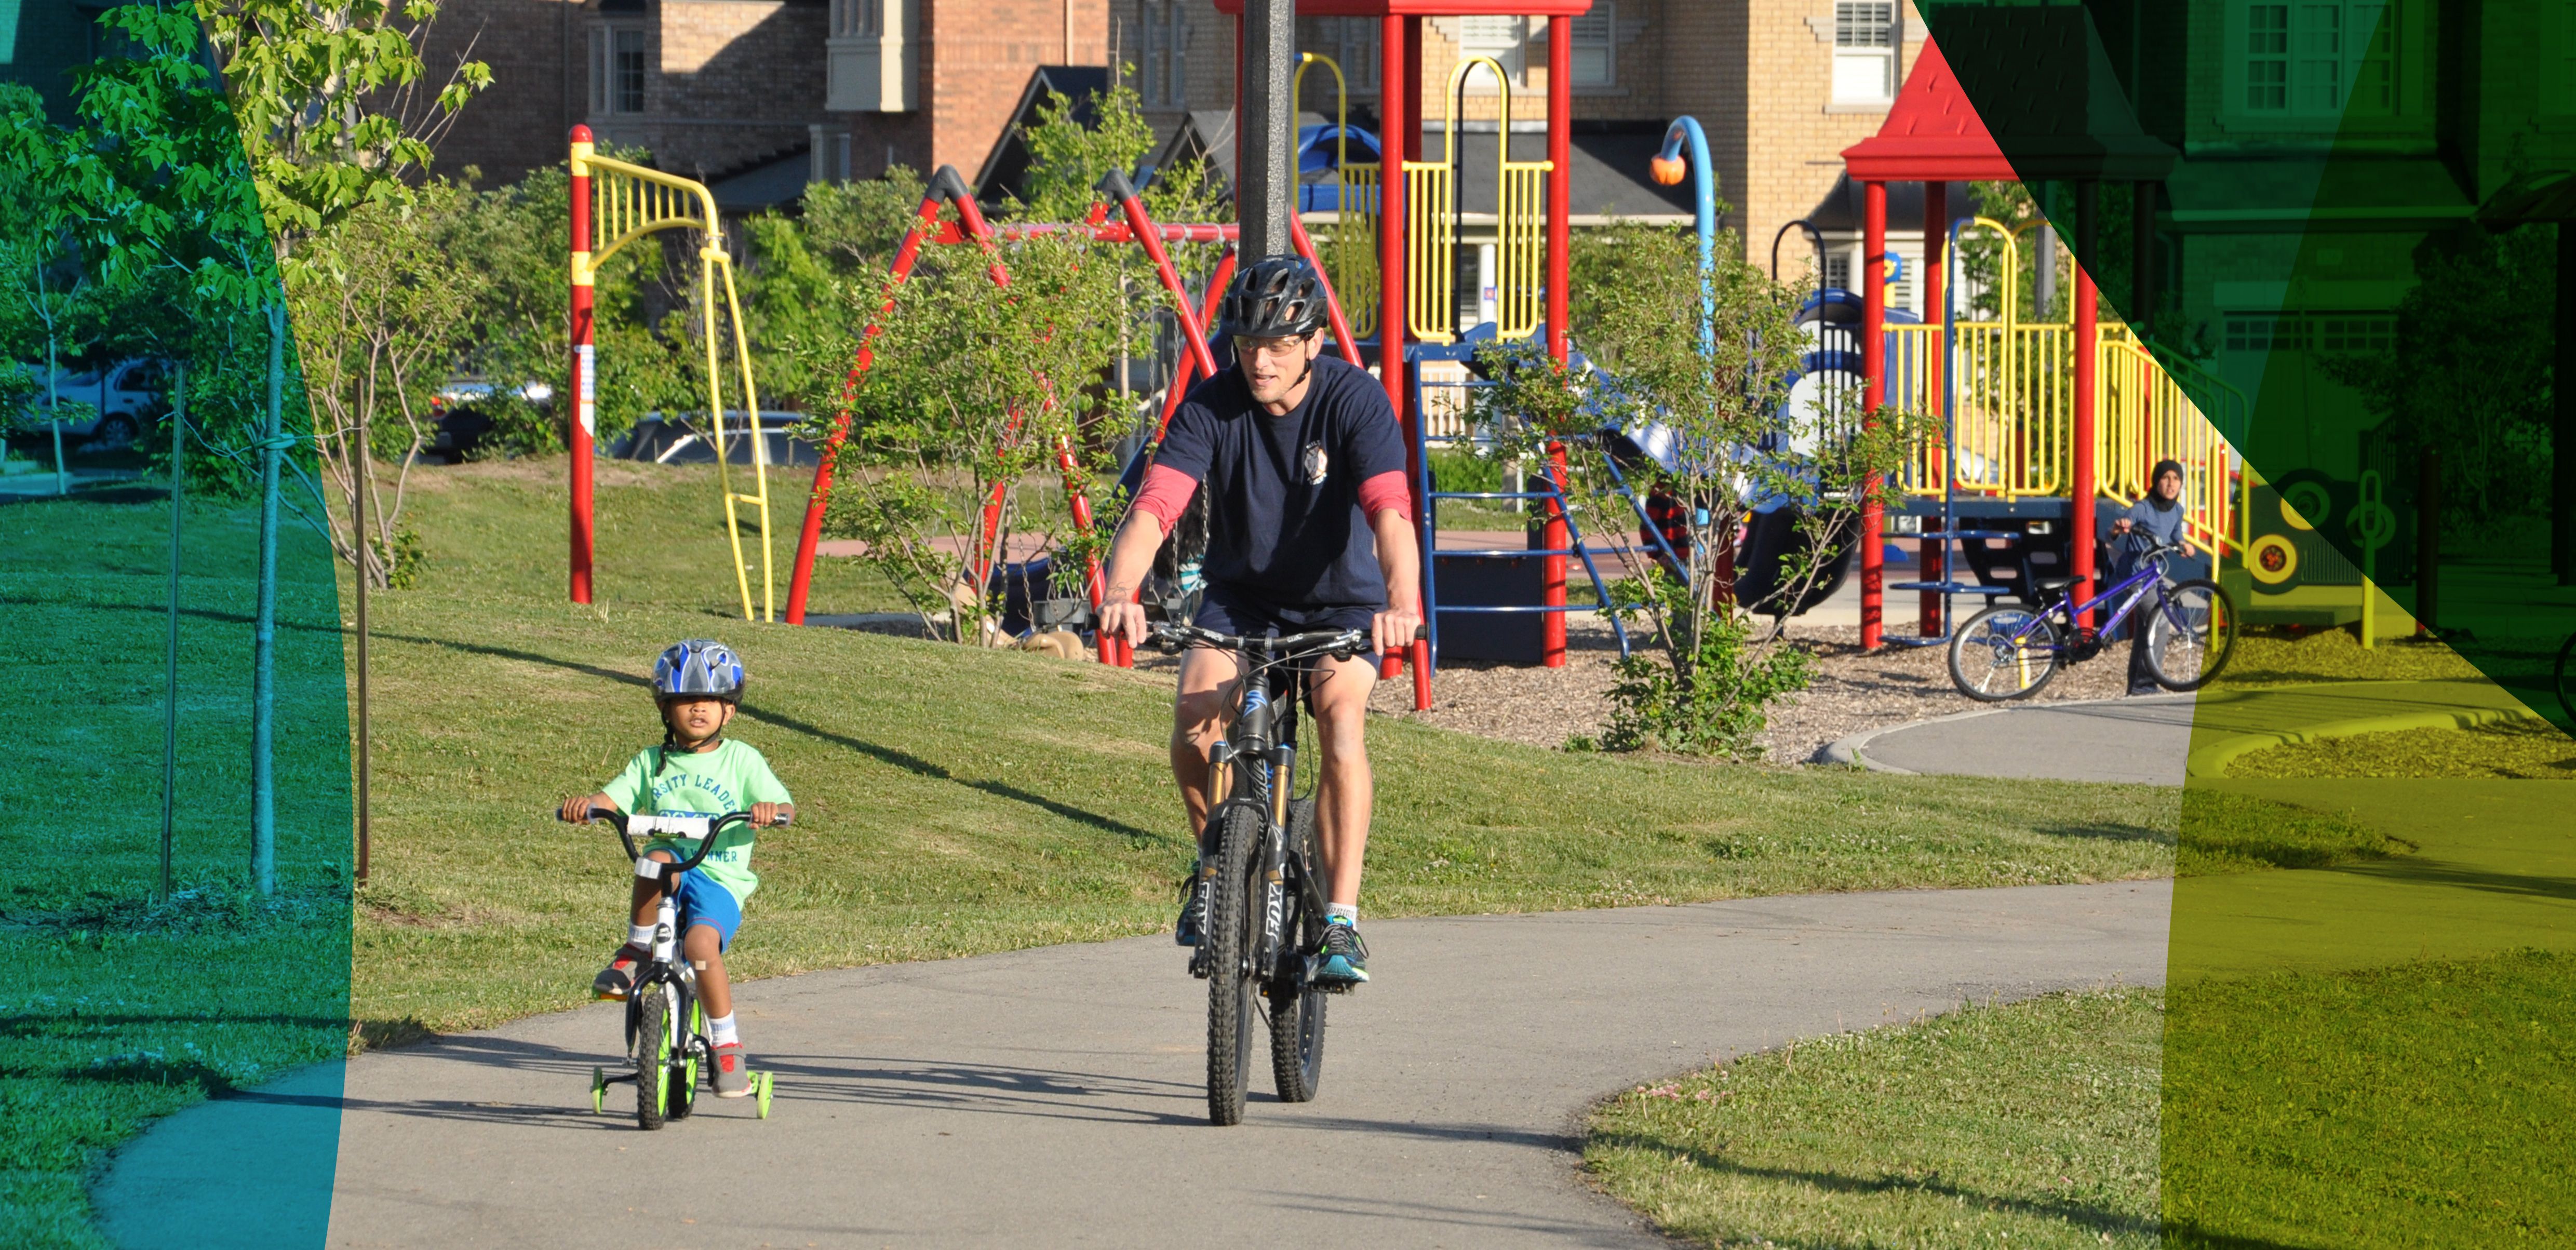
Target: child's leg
(705, 950)
(648, 893)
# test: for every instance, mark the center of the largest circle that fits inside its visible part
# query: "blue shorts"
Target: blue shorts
(705, 903)
(1228, 612)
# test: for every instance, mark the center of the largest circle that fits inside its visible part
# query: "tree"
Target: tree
(1636, 314)
(380, 302)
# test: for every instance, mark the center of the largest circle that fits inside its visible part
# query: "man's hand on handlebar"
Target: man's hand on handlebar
(1125, 620)
(1395, 628)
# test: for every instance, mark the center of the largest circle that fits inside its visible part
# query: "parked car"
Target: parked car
(459, 419)
(681, 438)
(116, 403)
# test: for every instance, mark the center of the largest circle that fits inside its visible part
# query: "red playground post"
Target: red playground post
(584, 386)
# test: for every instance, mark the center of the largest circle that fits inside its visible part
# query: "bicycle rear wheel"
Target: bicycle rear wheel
(2191, 632)
(1297, 1012)
(2005, 652)
(652, 1055)
(1233, 926)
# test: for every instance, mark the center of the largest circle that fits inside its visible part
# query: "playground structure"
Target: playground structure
(2038, 419)
(2032, 413)
(615, 203)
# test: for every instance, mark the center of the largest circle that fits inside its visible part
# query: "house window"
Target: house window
(1501, 38)
(1163, 77)
(617, 70)
(1596, 61)
(2321, 58)
(858, 18)
(1865, 40)
(1352, 42)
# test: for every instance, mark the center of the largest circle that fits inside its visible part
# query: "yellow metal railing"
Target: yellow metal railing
(2013, 424)
(629, 202)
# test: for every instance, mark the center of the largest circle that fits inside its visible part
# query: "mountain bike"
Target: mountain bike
(1264, 885)
(666, 1027)
(2009, 651)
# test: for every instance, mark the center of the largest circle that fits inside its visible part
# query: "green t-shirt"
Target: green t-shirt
(702, 783)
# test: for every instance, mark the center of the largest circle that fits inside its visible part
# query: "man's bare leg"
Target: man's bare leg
(1210, 682)
(1345, 789)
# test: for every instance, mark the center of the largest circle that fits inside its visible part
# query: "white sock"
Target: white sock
(722, 1030)
(1347, 913)
(640, 936)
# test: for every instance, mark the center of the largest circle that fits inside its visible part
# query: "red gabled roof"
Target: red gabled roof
(1932, 133)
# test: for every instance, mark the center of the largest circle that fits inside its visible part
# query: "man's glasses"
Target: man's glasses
(1275, 349)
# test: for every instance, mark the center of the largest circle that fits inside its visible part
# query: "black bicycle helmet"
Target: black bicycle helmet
(1271, 298)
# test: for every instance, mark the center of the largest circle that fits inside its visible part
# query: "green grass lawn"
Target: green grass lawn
(951, 801)
(118, 1009)
(2032, 1124)
(2424, 1104)
(954, 801)
(2417, 1105)
(2532, 750)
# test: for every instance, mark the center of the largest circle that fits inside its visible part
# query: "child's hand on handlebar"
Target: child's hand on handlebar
(763, 815)
(577, 811)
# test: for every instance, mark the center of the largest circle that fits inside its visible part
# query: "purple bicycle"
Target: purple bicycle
(2011, 650)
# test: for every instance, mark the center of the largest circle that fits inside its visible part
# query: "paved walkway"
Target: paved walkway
(2161, 739)
(1054, 1097)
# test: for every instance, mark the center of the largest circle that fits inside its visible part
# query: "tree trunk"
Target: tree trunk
(263, 779)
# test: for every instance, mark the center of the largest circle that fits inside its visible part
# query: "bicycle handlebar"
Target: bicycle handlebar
(700, 829)
(1341, 644)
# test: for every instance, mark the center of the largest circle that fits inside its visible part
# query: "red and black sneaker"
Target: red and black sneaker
(617, 980)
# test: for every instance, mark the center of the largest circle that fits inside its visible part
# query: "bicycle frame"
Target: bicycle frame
(1261, 739)
(2150, 574)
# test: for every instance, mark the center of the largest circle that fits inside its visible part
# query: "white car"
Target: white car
(118, 402)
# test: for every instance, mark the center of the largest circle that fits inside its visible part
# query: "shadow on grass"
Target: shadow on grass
(2185, 1235)
(2109, 833)
(883, 754)
(2075, 1214)
(2411, 871)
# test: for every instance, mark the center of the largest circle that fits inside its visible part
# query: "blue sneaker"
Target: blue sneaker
(1343, 957)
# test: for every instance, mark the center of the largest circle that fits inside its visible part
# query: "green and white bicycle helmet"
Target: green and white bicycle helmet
(700, 668)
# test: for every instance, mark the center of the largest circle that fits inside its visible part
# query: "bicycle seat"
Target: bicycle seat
(2051, 585)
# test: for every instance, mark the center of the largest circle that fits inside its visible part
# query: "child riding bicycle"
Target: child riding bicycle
(695, 772)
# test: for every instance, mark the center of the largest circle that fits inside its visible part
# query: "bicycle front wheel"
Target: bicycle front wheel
(1233, 928)
(1296, 1010)
(652, 1055)
(2190, 635)
(2005, 652)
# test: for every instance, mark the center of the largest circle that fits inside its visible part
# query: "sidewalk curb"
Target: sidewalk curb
(1848, 748)
(2210, 762)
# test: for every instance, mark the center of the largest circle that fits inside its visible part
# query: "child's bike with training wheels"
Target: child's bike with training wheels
(666, 1031)
(2009, 651)
(1265, 906)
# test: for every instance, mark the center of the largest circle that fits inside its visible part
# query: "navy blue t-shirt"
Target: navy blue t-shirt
(1284, 519)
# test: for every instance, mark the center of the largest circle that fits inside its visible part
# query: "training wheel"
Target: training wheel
(760, 1092)
(598, 1091)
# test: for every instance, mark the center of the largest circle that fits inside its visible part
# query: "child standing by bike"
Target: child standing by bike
(695, 772)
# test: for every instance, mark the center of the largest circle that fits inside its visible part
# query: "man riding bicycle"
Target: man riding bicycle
(1309, 528)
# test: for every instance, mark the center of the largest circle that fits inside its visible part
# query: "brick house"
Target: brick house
(758, 97)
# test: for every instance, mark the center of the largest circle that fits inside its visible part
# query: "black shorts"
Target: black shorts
(1230, 612)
